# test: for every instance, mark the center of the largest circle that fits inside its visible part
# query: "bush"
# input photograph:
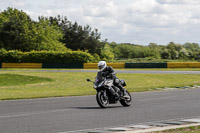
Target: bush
(46, 57)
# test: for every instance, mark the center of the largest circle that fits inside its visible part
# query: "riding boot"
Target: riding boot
(123, 90)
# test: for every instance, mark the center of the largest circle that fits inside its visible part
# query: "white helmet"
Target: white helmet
(102, 65)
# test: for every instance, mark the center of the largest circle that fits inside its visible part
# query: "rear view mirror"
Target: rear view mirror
(88, 80)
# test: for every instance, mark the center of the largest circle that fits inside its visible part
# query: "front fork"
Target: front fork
(111, 90)
(105, 94)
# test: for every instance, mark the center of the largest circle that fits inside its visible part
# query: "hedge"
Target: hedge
(14, 56)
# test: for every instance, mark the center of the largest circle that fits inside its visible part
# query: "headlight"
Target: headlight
(100, 84)
(117, 81)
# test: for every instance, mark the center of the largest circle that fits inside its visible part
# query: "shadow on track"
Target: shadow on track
(96, 107)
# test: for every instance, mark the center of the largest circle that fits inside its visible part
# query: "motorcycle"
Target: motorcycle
(105, 89)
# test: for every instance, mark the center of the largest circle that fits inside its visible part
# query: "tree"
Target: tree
(77, 37)
(106, 53)
(48, 36)
(19, 32)
(192, 46)
(14, 27)
(136, 52)
(122, 51)
(172, 50)
(183, 54)
(165, 54)
(154, 50)
(193, 50)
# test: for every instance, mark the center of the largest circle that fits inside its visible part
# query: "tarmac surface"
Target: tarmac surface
(73, 114)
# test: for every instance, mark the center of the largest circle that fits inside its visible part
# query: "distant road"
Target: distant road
(118, 71)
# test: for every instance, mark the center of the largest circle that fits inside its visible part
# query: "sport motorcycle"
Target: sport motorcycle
(108, 92)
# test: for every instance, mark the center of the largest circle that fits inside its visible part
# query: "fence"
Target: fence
(94, 65)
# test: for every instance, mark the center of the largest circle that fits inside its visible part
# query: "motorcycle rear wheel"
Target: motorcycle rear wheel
(102, 100)
(126, 102)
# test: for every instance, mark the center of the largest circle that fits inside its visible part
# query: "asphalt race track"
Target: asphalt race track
(55, 115)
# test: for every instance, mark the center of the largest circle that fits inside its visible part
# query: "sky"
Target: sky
(124, 21)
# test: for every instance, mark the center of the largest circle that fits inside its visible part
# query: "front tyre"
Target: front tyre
(126, 102)
(102, 99)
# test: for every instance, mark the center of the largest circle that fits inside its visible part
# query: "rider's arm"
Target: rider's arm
(111, 72)
(99, 76)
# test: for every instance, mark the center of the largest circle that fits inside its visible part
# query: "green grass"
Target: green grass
(192, 129)
(57, 84)
(149, 82)
(15, 79)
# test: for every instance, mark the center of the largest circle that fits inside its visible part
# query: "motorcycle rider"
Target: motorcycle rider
(109, 71)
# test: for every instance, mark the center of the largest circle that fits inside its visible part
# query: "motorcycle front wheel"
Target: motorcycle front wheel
(102, 99)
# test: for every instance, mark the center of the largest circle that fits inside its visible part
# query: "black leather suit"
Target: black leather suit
(109, 72)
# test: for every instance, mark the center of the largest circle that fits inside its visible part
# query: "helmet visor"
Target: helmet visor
(100, 67)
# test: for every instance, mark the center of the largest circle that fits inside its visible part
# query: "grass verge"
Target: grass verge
(192, 129)
(15, 79)
(74, 83)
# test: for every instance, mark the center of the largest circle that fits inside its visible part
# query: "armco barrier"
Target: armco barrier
(183, 65)
(21, 65)
(94, 65)
(90, 66)
(117, 65)
(78, 65)
(145, 65)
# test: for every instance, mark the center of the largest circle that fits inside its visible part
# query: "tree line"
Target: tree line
(172, 51)
(19, 32)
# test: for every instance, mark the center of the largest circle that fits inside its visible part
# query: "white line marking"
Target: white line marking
(34, 113)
